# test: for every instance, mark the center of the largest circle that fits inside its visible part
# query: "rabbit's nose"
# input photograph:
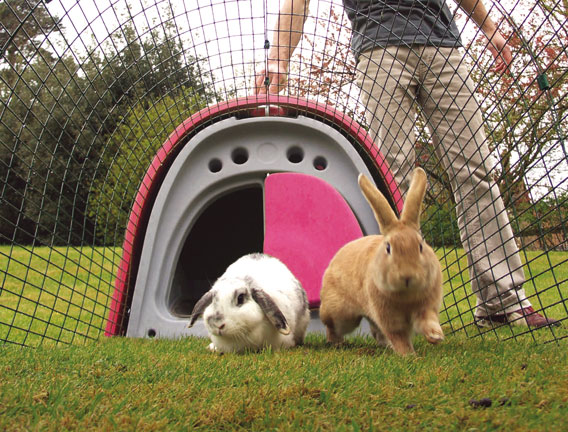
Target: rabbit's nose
(221, 327)
(214, 321)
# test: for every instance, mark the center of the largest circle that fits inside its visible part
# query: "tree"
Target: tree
(36, 115)
(57, 127)
(24, 24)
(46, 152)
(155, 86)
(525, 115)
(134, 144)
(523, 112)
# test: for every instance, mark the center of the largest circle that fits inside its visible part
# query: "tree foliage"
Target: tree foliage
(22, 24)
(129, 152)
(525, 110)
(63, 113)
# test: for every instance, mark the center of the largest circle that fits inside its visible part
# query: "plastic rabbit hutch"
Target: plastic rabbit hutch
(135, 164)
(277, 177)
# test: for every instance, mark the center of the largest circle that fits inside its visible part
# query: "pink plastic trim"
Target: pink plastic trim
(254, 106)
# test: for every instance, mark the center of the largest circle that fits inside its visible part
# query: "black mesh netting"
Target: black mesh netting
(91, 90)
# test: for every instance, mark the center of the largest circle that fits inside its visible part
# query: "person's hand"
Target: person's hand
(277, 77)
(501, 52)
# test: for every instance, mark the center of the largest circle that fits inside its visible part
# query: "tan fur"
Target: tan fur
(399, 293)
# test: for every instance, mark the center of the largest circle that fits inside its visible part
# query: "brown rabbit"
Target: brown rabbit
(394, 279)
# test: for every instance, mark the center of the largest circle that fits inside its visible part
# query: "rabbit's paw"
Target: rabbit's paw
(434, 334)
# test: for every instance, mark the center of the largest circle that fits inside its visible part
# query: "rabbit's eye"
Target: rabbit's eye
(240, 299)
(421, 248)
(388, 248)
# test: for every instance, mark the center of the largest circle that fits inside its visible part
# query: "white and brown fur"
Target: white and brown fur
(394, 280)
(256, 303)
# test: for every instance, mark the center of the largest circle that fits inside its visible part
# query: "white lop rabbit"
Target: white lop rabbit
(394, 280)
(256, 303)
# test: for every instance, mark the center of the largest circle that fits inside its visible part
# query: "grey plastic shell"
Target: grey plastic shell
(225, 157)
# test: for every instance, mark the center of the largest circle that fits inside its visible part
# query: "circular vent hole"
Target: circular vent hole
(215, 165)
(320, 163)
(240, 155)
(295, 155)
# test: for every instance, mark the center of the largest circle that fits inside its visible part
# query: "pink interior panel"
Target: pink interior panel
(306, 222)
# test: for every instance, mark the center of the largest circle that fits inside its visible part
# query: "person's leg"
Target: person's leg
(388, 86)
(389, 80)
(454, 118)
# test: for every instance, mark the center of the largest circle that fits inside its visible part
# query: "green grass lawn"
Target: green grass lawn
(59, 293)
(63, 293)
(97, 383)
(147, 385)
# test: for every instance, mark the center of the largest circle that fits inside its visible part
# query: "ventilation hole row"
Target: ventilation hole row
(294, 154)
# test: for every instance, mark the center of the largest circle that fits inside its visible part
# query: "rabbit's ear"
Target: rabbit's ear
(384, 214)
(271, 310)
(413, 203)
(200, 306)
